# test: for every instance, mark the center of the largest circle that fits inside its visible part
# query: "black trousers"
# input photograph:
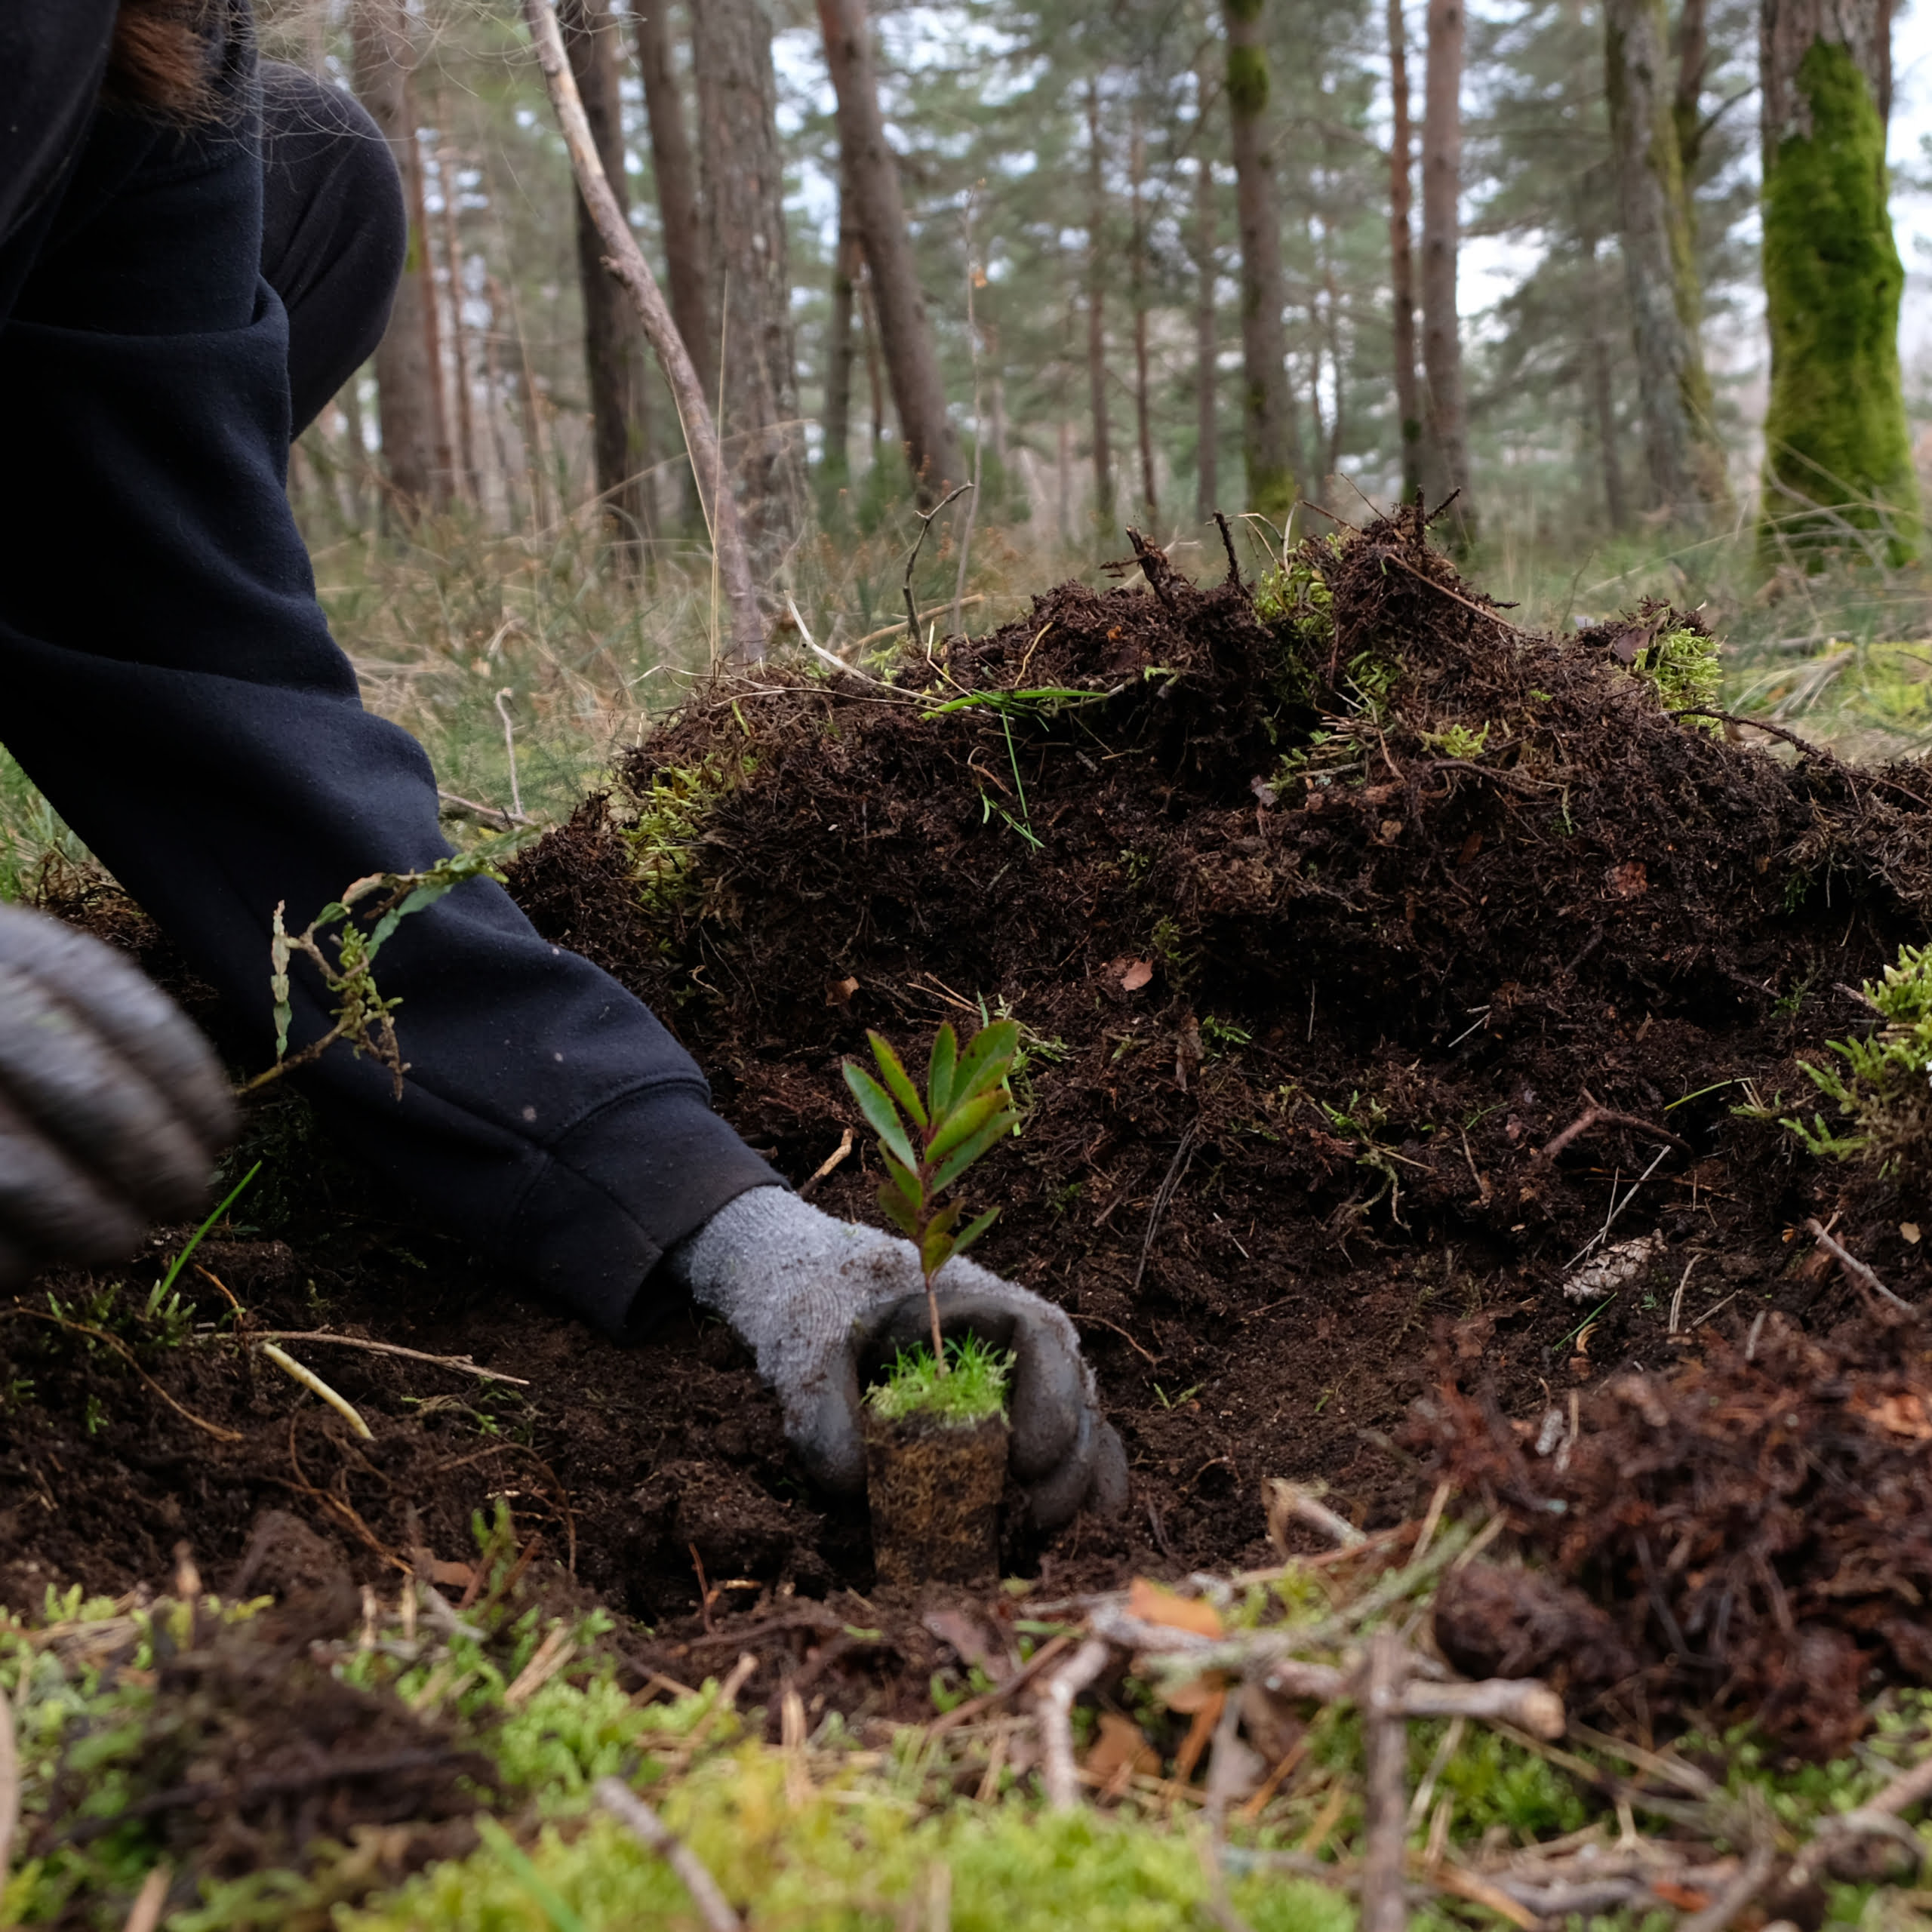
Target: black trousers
(170, 300)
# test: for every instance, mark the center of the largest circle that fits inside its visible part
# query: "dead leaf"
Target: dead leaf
(1628, 646)
(1138, 972)
(1631, 880)
(1685, 1898)
(1391, 830)
(1198, 1733)
(1120, 1745)
(452, 1575)
(1898, 1415)
(967, 1638)
(838, 993)
(1153, 1603)
(1910, 1230)
(1471, 846)
(1193, 1695)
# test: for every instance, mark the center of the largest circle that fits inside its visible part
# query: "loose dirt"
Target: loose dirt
(1326, 921)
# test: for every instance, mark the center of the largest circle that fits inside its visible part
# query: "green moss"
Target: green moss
(1247, 81)
(974, 1389)
(1682, 664)
(668, 818)
(1835, 431)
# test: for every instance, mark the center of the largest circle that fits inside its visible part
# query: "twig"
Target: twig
(1101, 1322)
(1385, 1749)
(463, 1363)
(1058, 1771)
(314, 1384)
(457, 803)
(10, 1786)
(651, 1832)
(1286, 1499)
(911, 556)
(978, 1706)
(627, 261)
(1856, 1269)
(1615, 1213)
(555, 1650)
(144, 1915)
(826, 1166)
(1594, 1116)
(1455, 596)
(1751, 1880)
(1177, 1172)
(1228, 544)
(509, 747)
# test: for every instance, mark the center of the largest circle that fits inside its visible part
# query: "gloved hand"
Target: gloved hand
(819, 1301)
(112, 1107)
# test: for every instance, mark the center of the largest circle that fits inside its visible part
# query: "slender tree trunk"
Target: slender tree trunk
(612, 348)
(1401, 259)
(1693, 49)
(354, 434)
(743, 175)
(932, 449)
(407, 383)
(1144, 411)
(1682, 451)
(1602, 396)
(836, 466)
(874, 372)
(1206, 346)
(1835, 434)
(465, 426)
(1441, 185)
(1268, 411)
(1096, 318)
(677, 190)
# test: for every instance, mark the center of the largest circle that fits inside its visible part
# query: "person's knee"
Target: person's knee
(334, 230)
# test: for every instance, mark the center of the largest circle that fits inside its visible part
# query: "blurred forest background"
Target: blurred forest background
(1123, 263)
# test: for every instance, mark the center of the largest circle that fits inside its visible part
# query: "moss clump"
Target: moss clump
(671, 808)
(1682, 664)
(1835, 431)
(974, 1389)
(1884, 1091)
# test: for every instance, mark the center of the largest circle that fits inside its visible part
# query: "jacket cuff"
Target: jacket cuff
(623, 1185)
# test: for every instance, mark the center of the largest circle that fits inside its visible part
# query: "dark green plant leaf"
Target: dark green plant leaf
(939, 1074)
(935, 1251)
(962, 1156)
(972, 1230)
(892, 1205)
(962, 1123)
(902, 1197)
(896, 1078)
(988, 1060)
(880, 1115)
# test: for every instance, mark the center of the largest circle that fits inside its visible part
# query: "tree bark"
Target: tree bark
(1602, 396)
(743, 174)
(1143, 405)
(1692, 46)
(733, 563)
(1096, 319)
(835, 466)
(1401, 258)
(677, 190)
(1267, 410)
(932, 449)
(612, 360)
(1441, 225)
(1835, 434)
(1681, 452)
(447, 164)
(408, 383)
(1206, 346)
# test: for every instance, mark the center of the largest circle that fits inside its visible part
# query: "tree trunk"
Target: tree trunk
(1682, 451)
(1207, 347)
(1602, 397)
(1268, 412)
(744, 215)
(1693, 49)
(1143, 410)
(613, 347)
(1401, 259)
(447, 165)
(1835, 435)
(932, 450)
(835, 466)
(677, 192)
(1441, 181)
(408, 384)
(1096, 319)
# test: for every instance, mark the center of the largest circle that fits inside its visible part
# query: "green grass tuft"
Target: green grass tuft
(975, 1389)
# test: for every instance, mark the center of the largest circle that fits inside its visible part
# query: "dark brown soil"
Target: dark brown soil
(1298, 1037)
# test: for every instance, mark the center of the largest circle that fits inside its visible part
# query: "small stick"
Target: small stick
(1228, 544)
(651, 1832)
(1677, 1299)
(144, 1915)
(1594, 1116)
(462, 1362)
(913, 557)
(10, 1786)
(457, 803)
(1749, 1882)
(978, 1706)
(826, 1166)
(1856, 1269)
(1385, 1746)
(1058, 1771)
(1288, 1500)
(509, 747)
(314, 1384)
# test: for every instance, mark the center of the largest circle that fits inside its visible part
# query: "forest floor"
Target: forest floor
(1408, 1001)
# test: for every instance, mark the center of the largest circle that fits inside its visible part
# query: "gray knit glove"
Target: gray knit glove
(819, 1301)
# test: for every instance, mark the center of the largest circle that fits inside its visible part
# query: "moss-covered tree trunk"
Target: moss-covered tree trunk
(1267, 408)
(1838, 467)
(1680, 446)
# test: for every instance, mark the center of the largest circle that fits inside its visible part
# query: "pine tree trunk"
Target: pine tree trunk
(447, 163)
(1692, 46)
(677, 192)
(835, 465)
(1096, 320)
(911, 361)
(1207, 345)
(1401, 258)
(408, 383)
(1268, 412)
(613, 343)
(1143, 402)
(1682, 451)
(743, 174)
(1602, 396)
(1447, 417)
(1835, 434)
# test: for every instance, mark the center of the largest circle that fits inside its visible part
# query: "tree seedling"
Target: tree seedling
(966, 1108)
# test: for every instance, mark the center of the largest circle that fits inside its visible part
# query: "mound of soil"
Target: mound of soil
(1369, 951)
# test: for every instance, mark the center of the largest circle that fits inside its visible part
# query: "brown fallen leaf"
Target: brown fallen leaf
(452, 1575)
(1120, 1745)
(838, 993)
(1685, 1898)
(1138, 972)
(1152, 1603)
(1898, 1415)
